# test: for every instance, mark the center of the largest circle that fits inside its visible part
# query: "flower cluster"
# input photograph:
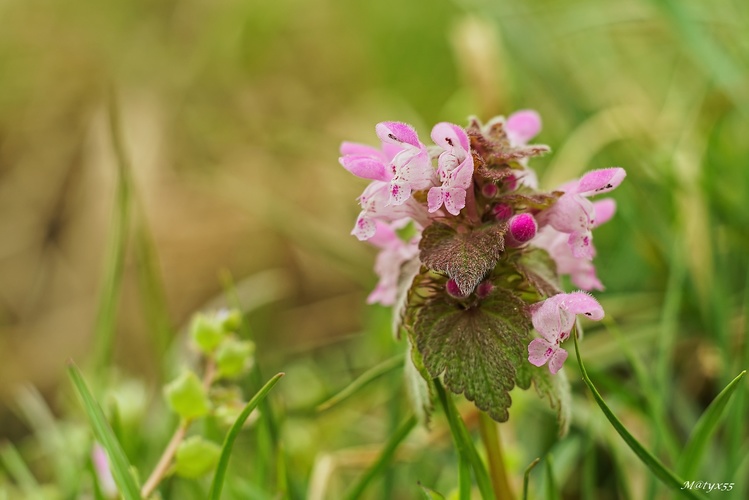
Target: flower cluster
(464, 230)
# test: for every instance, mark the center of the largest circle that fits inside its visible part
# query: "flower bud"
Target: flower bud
(484, 289)
(453, 289)
(489, 190)
(502, 211)
(523, 228)
(511, 182)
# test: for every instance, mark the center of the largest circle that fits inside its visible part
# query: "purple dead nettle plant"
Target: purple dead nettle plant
(471, 254)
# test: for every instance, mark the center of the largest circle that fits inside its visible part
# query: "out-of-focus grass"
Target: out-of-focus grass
(232, 113)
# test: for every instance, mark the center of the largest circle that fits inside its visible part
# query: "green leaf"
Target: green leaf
(418, 385)
(187, 396)
(196, 457)
(480, 350)
(665, 475)
(430, 494)
(540, 271)
(218, 478)
(552, 490)
(465, 257)
(704, 429)
(233, 356)
(365, 378)
(118, 461)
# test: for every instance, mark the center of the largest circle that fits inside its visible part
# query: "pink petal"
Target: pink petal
(397, 133)
(462, 176)
(582, 303)
(365, 227)
(384, 235)
(600, 181)
(581, 244)
(557, 360)
(354, 148)
(523, 126)
(570, 213)
(449, 136)
(604, 211)
(584, 277)
(550, 320)
(435, 199)
(366, 167)
(399, 192)
(455, 199)
(539, 351)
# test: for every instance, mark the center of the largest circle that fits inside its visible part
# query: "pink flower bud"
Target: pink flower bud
(489, 190)
(523, 228)
(502, 211)
(511, 182)
(453, 289)
(484, 289)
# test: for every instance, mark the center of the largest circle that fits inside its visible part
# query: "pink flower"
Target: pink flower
(411, 168)
(581, 270)
(103, 472)
(454, 167)
(574, 214)
(375, 203)
(553, 319)
(522, 126)
(394, 252)
(368, 162)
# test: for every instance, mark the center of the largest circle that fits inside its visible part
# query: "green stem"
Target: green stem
(493, 444)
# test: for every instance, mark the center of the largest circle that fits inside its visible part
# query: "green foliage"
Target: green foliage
(119, 464)
(187, 396)
(207, 332)
(464, 256)
(233, 356)
(196, 457)
(540, 271)
(478, 349)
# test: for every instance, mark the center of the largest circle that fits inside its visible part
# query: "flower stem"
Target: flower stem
(493, 445)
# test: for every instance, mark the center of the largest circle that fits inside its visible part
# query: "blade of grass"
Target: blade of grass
(464, 478)
(383, 459)
(736, 433)
(430, 494)
(106, 316)
(705, 428)
(231, 436)
(527, 475)
(368, 376)
(18, 470)
(552, 490)
(655, 465)
(463, 441)
(117, 459)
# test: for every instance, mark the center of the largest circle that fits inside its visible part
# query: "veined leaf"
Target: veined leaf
(465, 257)
(479, 349)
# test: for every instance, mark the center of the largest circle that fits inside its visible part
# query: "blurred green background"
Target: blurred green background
(232, 112)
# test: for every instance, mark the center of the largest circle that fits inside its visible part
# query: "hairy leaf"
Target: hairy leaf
(479, 349)
(540, 271)
(465, 257)
(418, 385)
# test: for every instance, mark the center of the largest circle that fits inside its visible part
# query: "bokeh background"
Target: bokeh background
(231, 113)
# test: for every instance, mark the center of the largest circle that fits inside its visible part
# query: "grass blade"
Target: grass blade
(384, 459)
(368, 376)
(231, 436)
(526, 477)
(705, 428)
(655, 465)
(552, 490)
(18, 470)
(106, 316)
(463, 442)
(118, 461)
